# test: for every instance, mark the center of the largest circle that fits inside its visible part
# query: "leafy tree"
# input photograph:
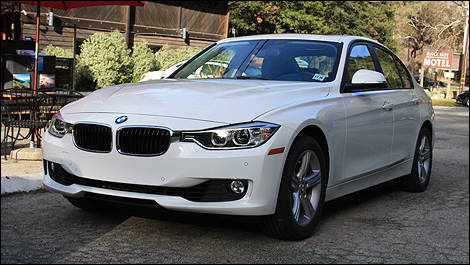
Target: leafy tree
(253, 17)
(372, 19)
(363, 18)
(302, 17)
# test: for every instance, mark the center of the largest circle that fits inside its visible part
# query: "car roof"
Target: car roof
(332, 38)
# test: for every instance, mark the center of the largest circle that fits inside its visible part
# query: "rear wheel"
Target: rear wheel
(418, 180)
(302, 192)
(465, 102)
(85, 204)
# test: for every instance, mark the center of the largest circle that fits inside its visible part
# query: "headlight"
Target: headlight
(232, 137)
(58, 127)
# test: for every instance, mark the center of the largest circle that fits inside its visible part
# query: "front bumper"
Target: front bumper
(183, 165)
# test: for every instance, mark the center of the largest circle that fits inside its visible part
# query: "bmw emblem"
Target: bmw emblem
(121, 119)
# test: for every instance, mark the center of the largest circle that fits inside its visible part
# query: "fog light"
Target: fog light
(237, 186)
(51, 167)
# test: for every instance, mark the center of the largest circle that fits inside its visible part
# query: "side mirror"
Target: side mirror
(366, 79)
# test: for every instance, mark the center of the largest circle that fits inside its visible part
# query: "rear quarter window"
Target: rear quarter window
(406, 77)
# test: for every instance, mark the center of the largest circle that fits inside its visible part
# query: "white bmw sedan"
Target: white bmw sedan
(290, 122)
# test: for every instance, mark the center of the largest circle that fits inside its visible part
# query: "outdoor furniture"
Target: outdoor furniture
(25, 115)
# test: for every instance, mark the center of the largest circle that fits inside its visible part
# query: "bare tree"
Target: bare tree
(429, 25)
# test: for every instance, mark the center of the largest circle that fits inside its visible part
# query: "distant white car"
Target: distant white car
(160, 74)
(268, 125)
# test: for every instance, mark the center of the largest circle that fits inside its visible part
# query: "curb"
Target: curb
(24, 183)
(27, 154)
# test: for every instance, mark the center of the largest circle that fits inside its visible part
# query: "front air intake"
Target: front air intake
(214, 190)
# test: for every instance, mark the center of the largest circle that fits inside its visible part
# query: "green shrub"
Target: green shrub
(143, 60)
(107, 58)
(168, 57)
(52, 50)
(84, 78)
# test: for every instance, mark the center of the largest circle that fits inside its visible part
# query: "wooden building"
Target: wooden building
(158, 23)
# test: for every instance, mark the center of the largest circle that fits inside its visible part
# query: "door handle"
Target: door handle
(387, 106)
(415, 101)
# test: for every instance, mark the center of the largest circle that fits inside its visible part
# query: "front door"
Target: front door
(369, 121)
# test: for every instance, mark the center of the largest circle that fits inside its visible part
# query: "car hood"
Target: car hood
(219, 100)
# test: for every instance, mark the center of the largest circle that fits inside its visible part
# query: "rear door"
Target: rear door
(405, 104)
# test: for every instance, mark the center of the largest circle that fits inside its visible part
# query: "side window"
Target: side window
(389, 68)
(404, 75)
(359, 58)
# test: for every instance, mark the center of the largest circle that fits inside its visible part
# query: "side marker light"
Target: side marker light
(276, 151)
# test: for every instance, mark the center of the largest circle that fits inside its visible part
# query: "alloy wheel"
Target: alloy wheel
(306, 187)
(424, 159)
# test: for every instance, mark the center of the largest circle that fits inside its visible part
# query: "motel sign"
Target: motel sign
(437, 59)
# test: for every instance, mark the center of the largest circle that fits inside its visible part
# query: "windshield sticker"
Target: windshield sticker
(318, 77)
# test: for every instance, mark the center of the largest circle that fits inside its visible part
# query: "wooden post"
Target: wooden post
(74, 54)
(448, 86)
(127, 13)
(422, 75)
(226, 24)
(463, 74)
(180, 17)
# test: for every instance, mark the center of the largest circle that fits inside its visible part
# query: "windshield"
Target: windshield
(286, 60)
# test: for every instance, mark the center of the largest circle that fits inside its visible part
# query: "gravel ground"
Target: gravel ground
(378, 225)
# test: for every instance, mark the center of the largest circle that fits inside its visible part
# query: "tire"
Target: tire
(418, 180)
(465, 102)
(85, 204)
(300, 200)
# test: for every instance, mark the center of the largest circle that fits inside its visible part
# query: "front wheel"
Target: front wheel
(302, 192)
